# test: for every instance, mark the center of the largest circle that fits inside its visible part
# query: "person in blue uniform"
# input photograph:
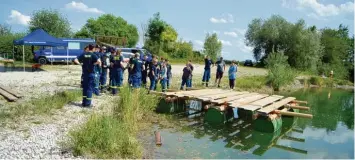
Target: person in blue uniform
(207, 74)
(97, 72)
(153, 74)
(186, 76)
(136, 71)
(86, 49)
(232, 72)
(221, 67)
(189, 84)
(116, 62)
(105, 63)
(169, 74)
(145, 71)
(110, 53)
(88, 60)
(163, 76)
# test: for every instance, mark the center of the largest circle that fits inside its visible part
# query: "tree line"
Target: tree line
(305, 48)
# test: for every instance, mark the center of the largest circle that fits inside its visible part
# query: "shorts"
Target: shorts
(219, 75)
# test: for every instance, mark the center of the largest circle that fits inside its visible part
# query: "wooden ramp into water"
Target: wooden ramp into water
(260, 103)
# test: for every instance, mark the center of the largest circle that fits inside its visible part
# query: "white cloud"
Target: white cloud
(225, 43)
(233, 34)
(322, 10)
(225, 18)
(198, 42)
(244, 48)
(240, 31)
(81, 7)
(315, 16)
(18, 18)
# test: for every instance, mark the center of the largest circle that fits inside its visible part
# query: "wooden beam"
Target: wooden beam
(295, 114)
(260, 103)
(299, 107)
(16, 94)
(290, 149)
(7, 95)
(276, 105)
(242, 97)
(294, 139)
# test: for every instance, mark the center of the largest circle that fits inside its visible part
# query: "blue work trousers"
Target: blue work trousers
(116, 80)
(152, 83)
(88, 83)
(103, 78)
(185, 81)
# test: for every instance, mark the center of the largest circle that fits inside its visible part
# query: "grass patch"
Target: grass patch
(114, 135)
(42, 105)
(252, 82)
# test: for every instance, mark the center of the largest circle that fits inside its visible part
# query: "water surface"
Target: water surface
(330, 134)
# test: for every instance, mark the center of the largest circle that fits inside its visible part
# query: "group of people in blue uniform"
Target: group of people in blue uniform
(98, 63)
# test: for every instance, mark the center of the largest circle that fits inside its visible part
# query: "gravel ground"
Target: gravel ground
(39, 136)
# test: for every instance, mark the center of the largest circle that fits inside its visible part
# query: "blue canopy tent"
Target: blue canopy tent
(39, 37)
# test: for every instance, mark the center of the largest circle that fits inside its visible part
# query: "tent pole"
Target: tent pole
(23, 57)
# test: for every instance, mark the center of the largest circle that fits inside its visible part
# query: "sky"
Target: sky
(191, 18)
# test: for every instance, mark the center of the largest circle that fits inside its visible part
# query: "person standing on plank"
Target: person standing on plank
(207, 74)
(221, 67)
(189, 84)
(186, 76)
(116, 63)
(232, 72)
(88, 60)
(136, 74)
(153, 75)
(169, 74)
(105, 60)
(145, 71)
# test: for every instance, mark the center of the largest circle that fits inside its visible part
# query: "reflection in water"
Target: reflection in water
(328, 135)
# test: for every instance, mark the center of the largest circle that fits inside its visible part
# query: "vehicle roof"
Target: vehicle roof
(78, 39)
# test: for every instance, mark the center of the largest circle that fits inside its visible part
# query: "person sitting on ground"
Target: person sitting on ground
(232, 72)
(221, 67)
(186, 76)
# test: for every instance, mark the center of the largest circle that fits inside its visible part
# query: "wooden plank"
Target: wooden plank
(16, 94)
(260, 103)
(276, 105)
(241, 97)
(7, 95)
(196, 95)
(218, 96)
(230, 98)
(267, 100)
(183, 93)
(246, 100)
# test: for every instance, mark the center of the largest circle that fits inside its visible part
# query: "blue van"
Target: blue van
(59, 54)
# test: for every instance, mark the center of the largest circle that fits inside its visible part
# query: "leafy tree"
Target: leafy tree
(184, 50)
(51, 21)
(4, 30)
(110, 25)
(212, 47)
(154, 33)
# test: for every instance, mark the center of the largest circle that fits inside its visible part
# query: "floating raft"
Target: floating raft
(220, 105)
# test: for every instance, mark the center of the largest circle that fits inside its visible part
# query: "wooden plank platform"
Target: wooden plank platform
(276, 105)
(7, 95)
(262, 103)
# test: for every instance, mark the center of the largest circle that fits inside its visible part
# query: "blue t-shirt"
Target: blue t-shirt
(208, 63)
(232, 72)
(220, 66)
(116, 60)
(153, 69)
(187, 73)
(88, 59)
(137, 68)
(97, 67)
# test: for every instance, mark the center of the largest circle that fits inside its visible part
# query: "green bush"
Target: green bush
(279, 71)
(319, 81)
